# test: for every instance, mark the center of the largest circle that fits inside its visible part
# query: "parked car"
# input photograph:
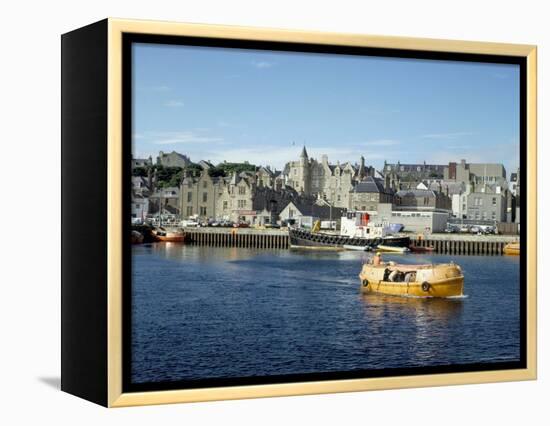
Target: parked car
(452, 229)
(189, 223)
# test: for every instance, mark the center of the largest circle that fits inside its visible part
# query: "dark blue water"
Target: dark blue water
(201, 312)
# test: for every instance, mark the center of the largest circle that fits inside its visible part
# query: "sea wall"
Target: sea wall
(278, 239)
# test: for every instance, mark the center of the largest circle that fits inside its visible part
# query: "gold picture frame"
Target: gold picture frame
(114, 30)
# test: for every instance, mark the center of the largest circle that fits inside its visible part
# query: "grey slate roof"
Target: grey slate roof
(415, 193)
(369, 185)
(315, 210)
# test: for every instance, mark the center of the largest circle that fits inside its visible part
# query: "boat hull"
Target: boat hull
(171, 238)
(511, 249)
(300, 238)
(391, 249)
(444, 280)
(451, 287)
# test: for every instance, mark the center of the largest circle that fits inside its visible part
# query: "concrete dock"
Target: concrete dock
(278, 239)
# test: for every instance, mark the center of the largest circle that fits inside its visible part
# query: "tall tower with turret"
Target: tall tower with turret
(304, 172)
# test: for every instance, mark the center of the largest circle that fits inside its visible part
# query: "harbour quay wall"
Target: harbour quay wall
(239, 237)
(465, 244)
(278, 239)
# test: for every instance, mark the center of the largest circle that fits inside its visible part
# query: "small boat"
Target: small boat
(161, 234)
(512, 249)
(418, 249)
(137, 237)
(437, 280)
(357, 248)
(392, 249)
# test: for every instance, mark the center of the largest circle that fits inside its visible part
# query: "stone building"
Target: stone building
(168, 198)
(306, 213)
(423, 199)
(240, 197)
(409, 175)
(142, 162)
(369, 193)
(140, 198)
(331, 182)
(198, 195)
(477, 173)
(487, 202)
(173, 159)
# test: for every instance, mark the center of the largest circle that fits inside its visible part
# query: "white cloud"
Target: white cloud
(262, 64)
(174, 103)
(450, 135)
(183, 137)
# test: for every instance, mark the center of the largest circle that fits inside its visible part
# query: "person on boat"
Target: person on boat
(377, 259)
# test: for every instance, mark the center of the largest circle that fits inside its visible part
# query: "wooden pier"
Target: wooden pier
(278, 239)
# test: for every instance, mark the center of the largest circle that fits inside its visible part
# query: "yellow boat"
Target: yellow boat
(512, 248)
(440, 280)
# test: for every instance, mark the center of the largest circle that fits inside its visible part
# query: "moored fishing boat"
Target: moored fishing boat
(137, 237)
(164, 235)
(419, 249)
(357, 232)
(512, 249)
(429, 280)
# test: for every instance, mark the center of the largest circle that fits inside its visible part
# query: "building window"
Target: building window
(493, 215)
(494, 201)
(203, 211)
(189, 197)
(225, 205)
(189, 211)
(242, 190)
(204, 197)
(241, 204)
(204, 184)
(338, 198)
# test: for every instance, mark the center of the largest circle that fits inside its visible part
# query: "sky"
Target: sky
(240, 105)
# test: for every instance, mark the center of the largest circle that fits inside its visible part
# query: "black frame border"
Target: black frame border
(130, 38)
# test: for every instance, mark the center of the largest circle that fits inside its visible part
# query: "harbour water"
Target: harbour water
(212, 312)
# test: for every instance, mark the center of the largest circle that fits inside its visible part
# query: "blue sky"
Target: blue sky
(262, 106)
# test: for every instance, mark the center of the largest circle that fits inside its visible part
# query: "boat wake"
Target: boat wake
(462, 296)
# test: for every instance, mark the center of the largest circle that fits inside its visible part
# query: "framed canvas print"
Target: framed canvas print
(274, 212)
